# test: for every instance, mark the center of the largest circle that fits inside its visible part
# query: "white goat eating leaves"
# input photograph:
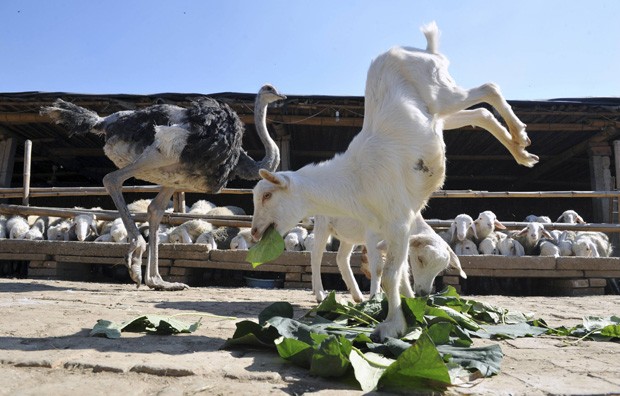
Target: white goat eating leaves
(394, 164)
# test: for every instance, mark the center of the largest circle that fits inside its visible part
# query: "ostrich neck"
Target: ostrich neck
(272, 153)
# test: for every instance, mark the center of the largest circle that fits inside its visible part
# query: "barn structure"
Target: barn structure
(577, 140)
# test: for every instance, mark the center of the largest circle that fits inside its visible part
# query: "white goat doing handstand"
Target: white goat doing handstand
(394, 164)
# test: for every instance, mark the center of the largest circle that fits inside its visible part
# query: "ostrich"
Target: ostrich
(196, 148)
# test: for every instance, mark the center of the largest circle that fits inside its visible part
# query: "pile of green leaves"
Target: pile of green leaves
(333, 340)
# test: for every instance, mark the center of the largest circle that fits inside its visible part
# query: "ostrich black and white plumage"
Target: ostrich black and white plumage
(196, 148)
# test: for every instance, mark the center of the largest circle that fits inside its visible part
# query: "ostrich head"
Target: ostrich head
(247, 168)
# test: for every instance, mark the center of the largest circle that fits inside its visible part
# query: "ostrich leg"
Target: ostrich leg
(150, 160)
(156, 210)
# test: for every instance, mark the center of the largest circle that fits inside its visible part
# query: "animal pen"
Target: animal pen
(575, 138)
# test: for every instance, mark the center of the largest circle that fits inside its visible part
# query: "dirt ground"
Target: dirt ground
(45, 347)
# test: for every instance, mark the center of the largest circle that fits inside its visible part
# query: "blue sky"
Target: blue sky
(533, 49)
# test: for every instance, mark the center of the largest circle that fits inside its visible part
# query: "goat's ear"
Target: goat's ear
(499, 225)
(523, 231)
(560, 219)
(547, 234)
(580, 220)
(274, 178)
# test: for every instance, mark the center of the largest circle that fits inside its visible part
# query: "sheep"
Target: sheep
(226, 211)
(17, 227)
(485, 225)
(489, 245)
(530, 237)
(538, 219)
(394, 164)
(85, 226)
(219, 238)
(466, 247)
(564, 241)
(570, 216)
(201, 206)
(461, 228)
(294, 239)
(508, 246)
(189, 231)
(60, 230)
(592, 244)
(38, 229)
(243, 240)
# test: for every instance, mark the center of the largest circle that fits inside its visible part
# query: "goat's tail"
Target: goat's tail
(76, 119)
(431, 32)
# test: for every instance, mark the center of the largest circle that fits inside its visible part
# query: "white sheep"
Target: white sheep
(592, 244)
(226, 211)
(531, 236)
(461, 228)
(485, 225)
(201, 206)
(207, 238)
(394, 164)
(489, 245)
(85, 226)
(564, 241)
(243, 240)
(38, 229)
(570, 216)
(17, 227)
(189, 231)
(508, 246)
(60, 230)
(466, 247)
(294, 239)
(538, 219)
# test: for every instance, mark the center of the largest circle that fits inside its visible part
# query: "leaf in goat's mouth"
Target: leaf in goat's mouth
(269, 248)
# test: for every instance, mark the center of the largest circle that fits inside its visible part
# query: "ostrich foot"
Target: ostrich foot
(157, 283)
(134, 259)
(391, 327)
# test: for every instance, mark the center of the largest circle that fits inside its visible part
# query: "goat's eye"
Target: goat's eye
(266, 196)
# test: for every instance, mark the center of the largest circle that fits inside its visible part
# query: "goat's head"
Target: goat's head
(275, 203)
(238, 243)
(429, 255)
(585, 248)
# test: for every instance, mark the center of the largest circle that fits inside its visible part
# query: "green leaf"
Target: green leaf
(106, 329)
(295, 351)
(416, 308)
(368, 368)
(509, 331)
(283, 309)
(252, 334)
(485, 359)
(452, 316)
(611, 331)
(420, 367)
(291, 328)
(440, 332)
(269, 248)
(331, 357)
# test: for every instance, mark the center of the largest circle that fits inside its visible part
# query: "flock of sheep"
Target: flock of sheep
(488, 236)
(485, 235)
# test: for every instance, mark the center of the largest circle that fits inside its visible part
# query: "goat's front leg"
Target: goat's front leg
(394, 324)
(156, 211)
